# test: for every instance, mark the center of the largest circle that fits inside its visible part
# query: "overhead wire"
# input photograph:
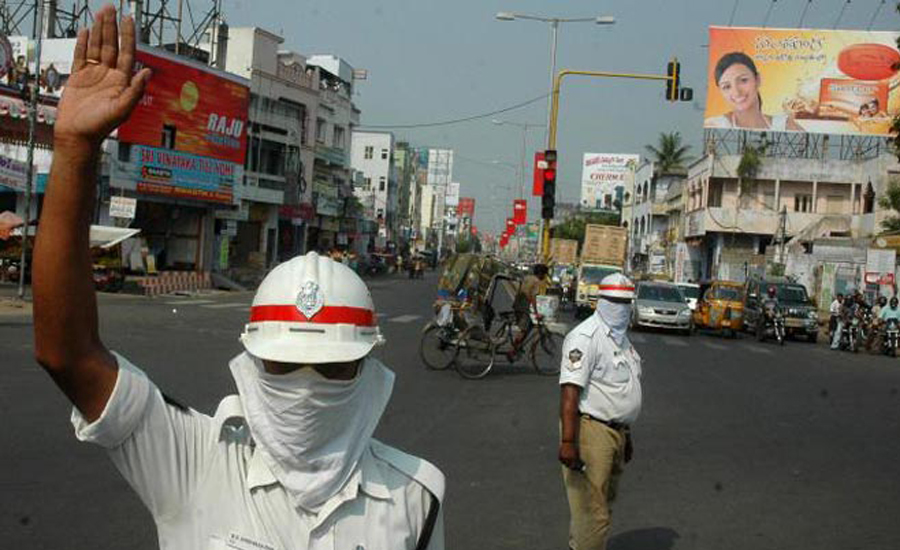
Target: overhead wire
(875, 15)
(768, 13)
(841, 15)
(462, 119)
(733, 11)
(803, 15)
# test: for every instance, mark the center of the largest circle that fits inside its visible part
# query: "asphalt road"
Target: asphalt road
(740, 445)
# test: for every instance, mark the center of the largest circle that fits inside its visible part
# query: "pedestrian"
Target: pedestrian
(834, 310)
(600, 381)
(289, 462)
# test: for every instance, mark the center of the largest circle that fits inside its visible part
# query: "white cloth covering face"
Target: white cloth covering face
(313, 430)
(616, 316)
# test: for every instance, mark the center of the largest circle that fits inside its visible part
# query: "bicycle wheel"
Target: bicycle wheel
(475, 353)
(437, 347)
(546, 353)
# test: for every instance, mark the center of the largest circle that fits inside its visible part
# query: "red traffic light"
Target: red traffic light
(549, 173)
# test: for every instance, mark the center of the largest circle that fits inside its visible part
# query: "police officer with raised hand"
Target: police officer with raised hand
(287, 463)
(600, 382)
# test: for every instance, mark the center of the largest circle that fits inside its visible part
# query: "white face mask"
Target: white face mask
(616, 316)
(314, 430)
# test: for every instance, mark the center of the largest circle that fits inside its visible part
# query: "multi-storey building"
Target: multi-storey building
(372, 154)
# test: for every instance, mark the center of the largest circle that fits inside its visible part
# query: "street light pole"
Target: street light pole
(554, 31)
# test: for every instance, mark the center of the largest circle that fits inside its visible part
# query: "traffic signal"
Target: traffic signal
(673, 71)
(548, 199)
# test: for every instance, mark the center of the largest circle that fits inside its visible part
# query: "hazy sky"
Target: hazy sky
(432, 60)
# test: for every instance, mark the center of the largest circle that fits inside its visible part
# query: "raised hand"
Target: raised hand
(102, 89)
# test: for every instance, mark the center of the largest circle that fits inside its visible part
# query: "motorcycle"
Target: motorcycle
(850, 334)
(772, 325)
(891, 337)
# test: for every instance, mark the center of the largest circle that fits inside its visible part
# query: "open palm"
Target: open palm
(102, 90)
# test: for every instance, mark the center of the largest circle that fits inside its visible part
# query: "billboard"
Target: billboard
(451, 196)
(520, 211)
(802, 80)
(191, 109)
(466, 207)
(603, 176)
(175, 174)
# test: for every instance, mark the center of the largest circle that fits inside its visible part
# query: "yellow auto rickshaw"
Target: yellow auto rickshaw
(721, 307)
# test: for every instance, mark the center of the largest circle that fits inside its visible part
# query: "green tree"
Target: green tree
(669, 154)
(891, 201)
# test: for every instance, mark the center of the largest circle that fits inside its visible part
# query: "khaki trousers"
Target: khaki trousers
(590, 492)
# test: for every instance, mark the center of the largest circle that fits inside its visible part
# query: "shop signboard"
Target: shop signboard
(190, 108)
(803, 80)
(122, 207)
(176, 174)
(13, 173)
(520, 211)
(466, 207)
(880, 266)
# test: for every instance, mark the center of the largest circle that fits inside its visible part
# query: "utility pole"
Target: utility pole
(782, 233)
(34, 82)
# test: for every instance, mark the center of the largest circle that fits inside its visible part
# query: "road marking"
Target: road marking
(715, 346)
(225, 306)
(188, 302)
(404, 318)
(758, 349)
(669, 341)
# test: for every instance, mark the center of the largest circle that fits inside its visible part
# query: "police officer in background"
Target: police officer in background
(600, 382)
(287, 463)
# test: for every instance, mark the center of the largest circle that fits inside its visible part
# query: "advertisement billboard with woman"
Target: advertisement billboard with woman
(803, 80)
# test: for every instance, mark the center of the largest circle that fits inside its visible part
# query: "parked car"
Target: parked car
(721, 307)
(691, 293)
(661, 305)
(800, 315)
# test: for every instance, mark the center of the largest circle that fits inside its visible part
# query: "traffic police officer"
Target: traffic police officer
(287, 463)
(600, 382)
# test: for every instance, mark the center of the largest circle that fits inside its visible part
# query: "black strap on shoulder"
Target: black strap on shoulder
(430, 521)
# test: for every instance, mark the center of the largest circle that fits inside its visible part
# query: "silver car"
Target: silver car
(661, 305)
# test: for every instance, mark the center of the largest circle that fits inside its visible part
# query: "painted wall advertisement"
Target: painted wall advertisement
(188, 136)
(803, 80)
(601, 175)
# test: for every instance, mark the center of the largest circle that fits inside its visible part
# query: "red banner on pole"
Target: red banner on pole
(510, 226)
(537, 188)
(520, 211)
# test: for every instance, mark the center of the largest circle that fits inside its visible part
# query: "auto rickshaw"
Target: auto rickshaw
(721, 307)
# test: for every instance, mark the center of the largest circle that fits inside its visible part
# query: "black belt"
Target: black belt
(612, 424)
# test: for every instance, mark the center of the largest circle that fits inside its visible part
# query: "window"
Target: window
(714, 199)
(168, 136)
(368, 184)
(381, 183)
(802, 203)
(369, 152)
(320, 129)
(769, 199)
(337, 139)
(384, 154)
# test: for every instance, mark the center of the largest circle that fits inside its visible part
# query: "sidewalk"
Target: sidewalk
(9, 300)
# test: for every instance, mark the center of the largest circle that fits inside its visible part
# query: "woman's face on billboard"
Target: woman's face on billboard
(740, 87)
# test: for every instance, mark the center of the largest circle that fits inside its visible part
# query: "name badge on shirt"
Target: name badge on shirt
(235, 541)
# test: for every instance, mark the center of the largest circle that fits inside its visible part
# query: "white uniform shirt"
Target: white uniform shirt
(208, 486)
(609, 376)
(835, 308)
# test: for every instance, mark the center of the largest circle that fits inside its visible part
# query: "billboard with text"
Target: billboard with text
(803, 80)
(190, 108)
(602, 174)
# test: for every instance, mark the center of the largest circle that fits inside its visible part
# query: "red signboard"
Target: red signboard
(466, 207)
(190, 109)
(537, 188)
(510, 226)
(520, 211)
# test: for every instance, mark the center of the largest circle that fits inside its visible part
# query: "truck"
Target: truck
(603, 253)
(563, 262)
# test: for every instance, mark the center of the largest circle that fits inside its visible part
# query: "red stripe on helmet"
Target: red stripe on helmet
(328, 315)
(616, 287)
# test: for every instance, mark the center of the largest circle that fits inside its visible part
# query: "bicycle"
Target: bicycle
(477, 349)
(438, 344)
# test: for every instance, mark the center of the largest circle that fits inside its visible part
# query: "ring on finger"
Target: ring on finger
(93, 62)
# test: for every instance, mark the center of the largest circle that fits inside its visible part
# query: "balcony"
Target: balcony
(723, 220)
(331, 155)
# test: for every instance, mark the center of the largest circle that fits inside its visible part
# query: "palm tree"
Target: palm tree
(669, 154)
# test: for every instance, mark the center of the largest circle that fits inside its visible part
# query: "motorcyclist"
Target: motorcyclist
(770, 305)
(844, 318)
(874, 329)
(889, 314)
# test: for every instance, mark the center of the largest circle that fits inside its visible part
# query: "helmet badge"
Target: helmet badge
(310, 299)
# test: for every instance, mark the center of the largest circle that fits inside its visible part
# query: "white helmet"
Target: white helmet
(311, 310)
(618, 286)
